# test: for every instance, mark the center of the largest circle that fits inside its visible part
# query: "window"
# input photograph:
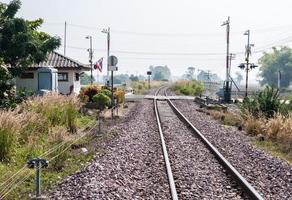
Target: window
(63, 76)
(77, 75)
(29, 75)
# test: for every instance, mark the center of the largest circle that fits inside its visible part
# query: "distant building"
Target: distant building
(58, 73)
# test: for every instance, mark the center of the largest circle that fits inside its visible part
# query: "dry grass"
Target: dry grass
(56, 109)
(229, 119)
(9, 128)
(253, 125)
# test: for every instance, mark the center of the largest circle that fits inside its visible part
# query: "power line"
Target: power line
(155, 34)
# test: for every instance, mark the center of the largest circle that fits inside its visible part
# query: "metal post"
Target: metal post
(149, 82)
(38, 163)
(113, 101)
(90, 57)
(279, 80)
(38, 178)
(247, 61)
(91, 77)
(227, 92)
(65, 38)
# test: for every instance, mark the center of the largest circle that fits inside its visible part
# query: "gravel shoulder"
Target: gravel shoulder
(271, 176)
(131, 168)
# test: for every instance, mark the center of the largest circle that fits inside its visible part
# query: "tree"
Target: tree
(280, 59)
(238, 78)
(85, 79)
(190, 74)
(134, 78)
(21, 44)
(160, 73)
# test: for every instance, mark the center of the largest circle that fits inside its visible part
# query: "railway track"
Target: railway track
(195, 168)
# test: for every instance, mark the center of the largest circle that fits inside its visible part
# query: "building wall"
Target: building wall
(28, 84)
(63, 86)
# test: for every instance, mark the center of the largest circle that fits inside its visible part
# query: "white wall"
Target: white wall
(28, 84)
(63, 86)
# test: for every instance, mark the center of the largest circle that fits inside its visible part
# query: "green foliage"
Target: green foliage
(267, 102)
(133, 78)
(190, 74)
(21, 45)
(102, 100)
(191, 88)
(271, 63)
(87, 93)
(85, 79)
(106, 92)
(160, 73)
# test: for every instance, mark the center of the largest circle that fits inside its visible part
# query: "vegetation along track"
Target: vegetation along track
(194, 171)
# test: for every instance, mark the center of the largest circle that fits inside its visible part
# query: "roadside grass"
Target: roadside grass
(273, 135)
(272, 148)
(70, 161)
(40, 124)
(190, 88)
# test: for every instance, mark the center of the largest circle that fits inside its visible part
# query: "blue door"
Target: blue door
(45, 81)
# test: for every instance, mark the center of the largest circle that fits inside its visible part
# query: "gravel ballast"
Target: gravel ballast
(197, 173)
(131, 168)
(270, 176)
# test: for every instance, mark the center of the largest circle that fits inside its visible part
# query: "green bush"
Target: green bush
(267, 102)
(106, 92)
(102, 100)
(191, 88)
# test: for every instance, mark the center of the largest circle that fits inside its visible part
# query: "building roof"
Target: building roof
(57, 60)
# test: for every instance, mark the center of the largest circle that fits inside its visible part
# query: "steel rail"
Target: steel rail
(241, 180)
(164, 149)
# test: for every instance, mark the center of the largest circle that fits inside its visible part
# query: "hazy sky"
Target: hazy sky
(165, 32)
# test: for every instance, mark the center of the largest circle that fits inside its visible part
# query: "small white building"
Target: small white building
(68, 71)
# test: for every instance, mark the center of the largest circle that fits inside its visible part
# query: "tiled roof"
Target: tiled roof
(57, 60)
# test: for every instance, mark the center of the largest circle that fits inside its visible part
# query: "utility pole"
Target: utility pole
(227, 92)
(65, 38)
(247, 51)
(107, 31)
(90, 57)
(247, 66)
(279, 80)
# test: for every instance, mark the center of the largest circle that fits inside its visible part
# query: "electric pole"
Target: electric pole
(90, 57)
(247, 51)
(279, 80)
(227, 85)
(65, 38)
(247, 66)
(107, 31)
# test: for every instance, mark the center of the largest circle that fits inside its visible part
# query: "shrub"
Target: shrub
(120, 96)
(188, 87)
(102, 100)
(266, 102)
(107, 92)
(87, 93)
(254, 125)
(9, 128)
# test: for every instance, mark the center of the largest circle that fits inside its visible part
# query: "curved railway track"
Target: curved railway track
(171, 167)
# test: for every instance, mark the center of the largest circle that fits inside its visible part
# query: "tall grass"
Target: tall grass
(9, 128)
(57, 109)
